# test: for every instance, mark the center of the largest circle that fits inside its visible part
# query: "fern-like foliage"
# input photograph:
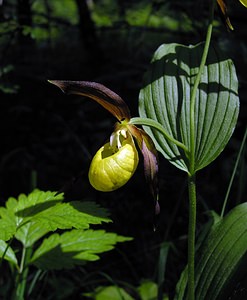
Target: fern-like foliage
(32, 217)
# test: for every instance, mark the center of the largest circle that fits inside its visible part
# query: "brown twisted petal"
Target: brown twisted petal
(223, 8)
(97, 92)
(150, 157)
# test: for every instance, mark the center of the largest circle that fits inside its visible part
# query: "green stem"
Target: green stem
(22, 276)
(191, 236)
(33, 180)
(234, 173)
(154, 124)
(195, 88)
(192, 170)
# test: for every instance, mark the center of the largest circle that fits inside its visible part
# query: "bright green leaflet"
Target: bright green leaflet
(166, 98)
(74, 247)
(8, 253)
(30, 217)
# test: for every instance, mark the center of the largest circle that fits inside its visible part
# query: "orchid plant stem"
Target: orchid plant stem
(191, 236)
(154, 124)
(195, 88)
(192, 170)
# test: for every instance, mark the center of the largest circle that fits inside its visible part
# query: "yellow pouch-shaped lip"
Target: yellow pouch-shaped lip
(244, 2)
(110, 170)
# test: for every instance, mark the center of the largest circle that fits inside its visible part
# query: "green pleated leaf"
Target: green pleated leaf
(74, 248)
(166, 98)
(221, 260)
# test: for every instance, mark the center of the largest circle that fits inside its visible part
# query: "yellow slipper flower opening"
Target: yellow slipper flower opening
(115, 163)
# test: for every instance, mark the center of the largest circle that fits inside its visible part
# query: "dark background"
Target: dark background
(48, 138)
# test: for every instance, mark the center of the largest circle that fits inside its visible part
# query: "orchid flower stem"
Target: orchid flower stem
(191, 236)
(154, 124)
(195, 88)
(192, 170)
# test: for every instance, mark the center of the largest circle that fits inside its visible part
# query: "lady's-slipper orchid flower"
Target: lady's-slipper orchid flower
(244, 2)
(115, 163)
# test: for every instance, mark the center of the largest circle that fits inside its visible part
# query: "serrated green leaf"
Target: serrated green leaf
(74, 248)
(30, 232)
(8, 220)
(166, 98)
(109, 293)
(61, 216)
(222, 258)
(35, 202)
(148, 290)
(7, 228)
(32, 216)
(18, 213)
(11, 204)
(68, 215)
(73, 214)
(9, 255)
